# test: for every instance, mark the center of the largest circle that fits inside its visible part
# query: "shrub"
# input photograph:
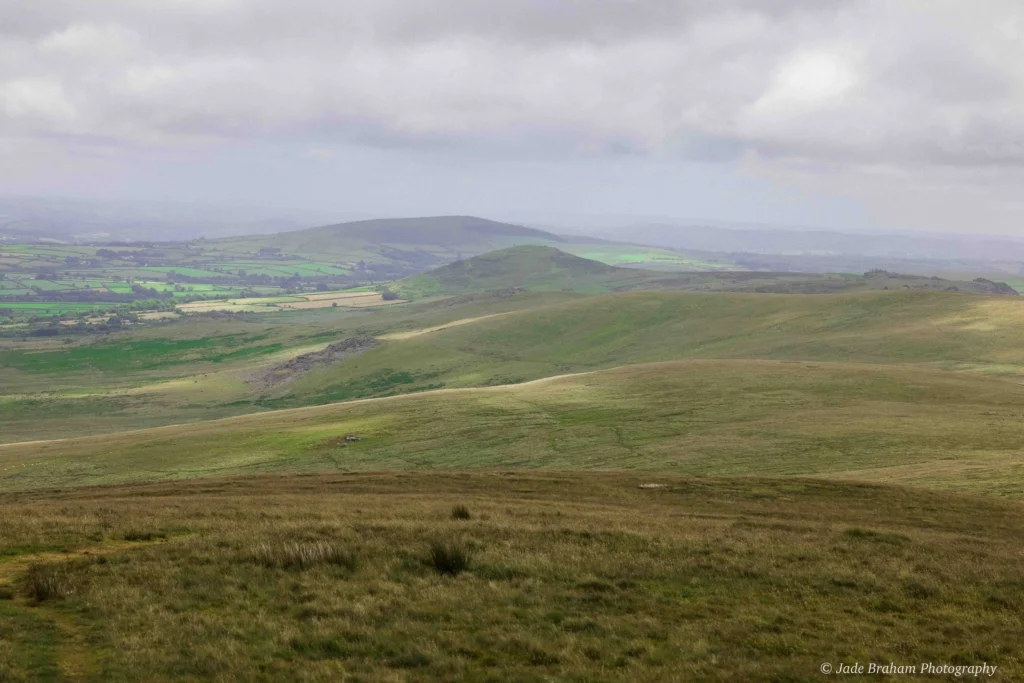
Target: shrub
(460, 512)
(136, 535)
(49, 582)
(303, 555)
(451, 557)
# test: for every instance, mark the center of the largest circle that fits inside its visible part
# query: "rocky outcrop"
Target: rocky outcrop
(334, 353)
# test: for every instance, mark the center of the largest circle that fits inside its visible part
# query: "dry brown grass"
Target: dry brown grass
(303, 555)
(574, 576)
(449, 557)
(50, 582)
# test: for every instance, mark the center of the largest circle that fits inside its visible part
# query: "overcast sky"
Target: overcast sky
(893, 114)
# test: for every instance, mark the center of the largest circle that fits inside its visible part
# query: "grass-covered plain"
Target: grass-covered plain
(568, 576)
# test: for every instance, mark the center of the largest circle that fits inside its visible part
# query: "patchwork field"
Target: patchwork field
(346, 299)
(341, 256)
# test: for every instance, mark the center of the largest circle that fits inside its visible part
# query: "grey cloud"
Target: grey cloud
(868, 81)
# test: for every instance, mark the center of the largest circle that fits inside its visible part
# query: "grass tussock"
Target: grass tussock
(45, 582)
(303, 555)
(449, 558)
(137, 535)
(461, 512)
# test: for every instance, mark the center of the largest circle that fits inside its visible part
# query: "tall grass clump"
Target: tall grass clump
(137, 535)
(449, 557)
(304, 555)
(460, 512)
(49, 582)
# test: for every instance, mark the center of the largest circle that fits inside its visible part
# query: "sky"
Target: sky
(872, 114)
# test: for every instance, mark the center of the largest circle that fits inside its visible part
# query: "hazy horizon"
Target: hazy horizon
(841, 115)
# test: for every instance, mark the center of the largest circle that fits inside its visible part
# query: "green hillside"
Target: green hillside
(530, 267)
(208, 369)
(865, 422)
(546, 268)
(947, 330)
(450, 232)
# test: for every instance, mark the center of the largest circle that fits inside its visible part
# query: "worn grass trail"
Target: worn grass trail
(45, 639)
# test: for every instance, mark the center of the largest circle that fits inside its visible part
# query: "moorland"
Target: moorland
(476, 452)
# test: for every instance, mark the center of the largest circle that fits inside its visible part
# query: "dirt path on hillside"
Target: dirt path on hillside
(397, 336)
(13, 567)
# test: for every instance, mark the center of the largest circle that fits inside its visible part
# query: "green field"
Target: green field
(644, 257)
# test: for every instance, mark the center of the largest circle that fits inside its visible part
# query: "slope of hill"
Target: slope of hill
(866, 422)
(546, 268)
(532, 267)
(207, 369)
(935, 328)
(451, 232)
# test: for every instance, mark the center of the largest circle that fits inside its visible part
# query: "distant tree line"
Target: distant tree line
(89, 295)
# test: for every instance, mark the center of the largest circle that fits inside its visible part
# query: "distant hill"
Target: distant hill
(544, 268)
(453, 232)
(395, 247)
(531, 267)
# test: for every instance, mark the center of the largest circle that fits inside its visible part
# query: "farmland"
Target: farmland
(43, 287)
(40, 281)
(363, 297)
